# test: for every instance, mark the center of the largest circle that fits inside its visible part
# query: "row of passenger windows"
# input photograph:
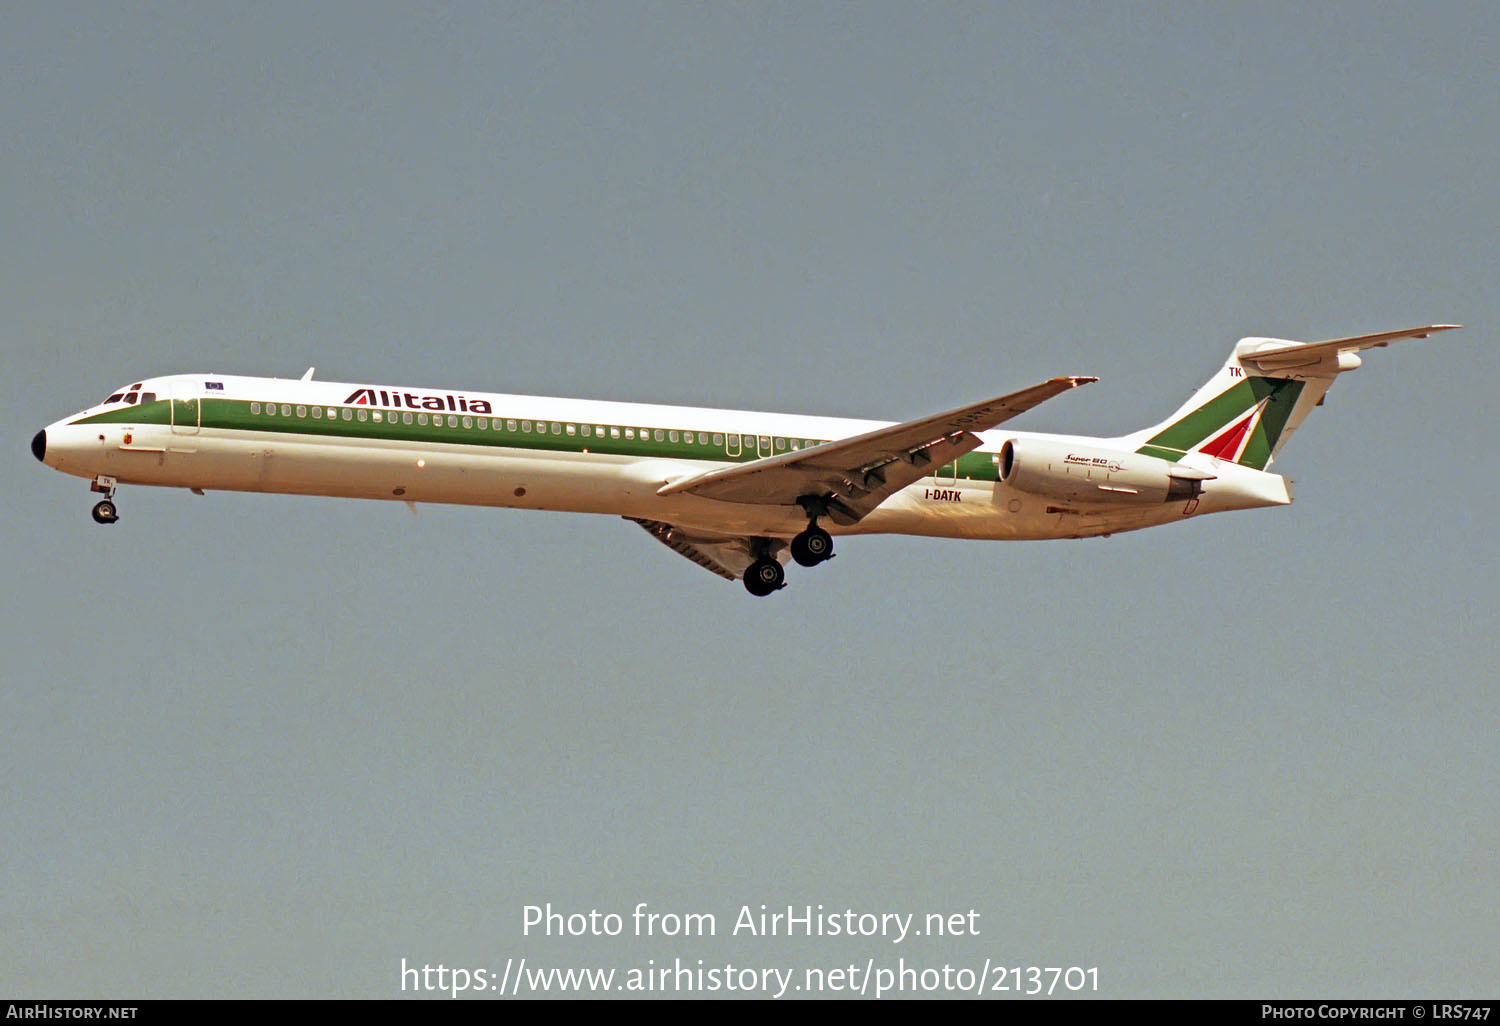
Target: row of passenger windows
(750, 442)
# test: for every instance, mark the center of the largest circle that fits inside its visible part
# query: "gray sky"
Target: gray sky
(269, 746)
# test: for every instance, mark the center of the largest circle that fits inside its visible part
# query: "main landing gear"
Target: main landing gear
(764, 576)
(813, 546)
(104, 510)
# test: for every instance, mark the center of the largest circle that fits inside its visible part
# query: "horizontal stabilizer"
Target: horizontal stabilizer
(1271, 355)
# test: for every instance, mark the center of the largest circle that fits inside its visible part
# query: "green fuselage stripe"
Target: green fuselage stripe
(237, 415)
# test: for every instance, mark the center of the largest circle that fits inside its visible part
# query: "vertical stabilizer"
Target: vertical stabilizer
(1250, 408)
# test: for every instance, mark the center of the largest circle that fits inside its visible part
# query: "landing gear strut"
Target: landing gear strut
(104, 510)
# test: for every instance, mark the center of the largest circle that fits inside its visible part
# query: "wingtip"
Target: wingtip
(1432, 328)
(1082, 380)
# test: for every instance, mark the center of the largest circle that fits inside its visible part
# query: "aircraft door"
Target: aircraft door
(763, 446)
(732, 445)
(185, 411)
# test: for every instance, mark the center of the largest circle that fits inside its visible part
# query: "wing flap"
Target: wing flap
(854, 475)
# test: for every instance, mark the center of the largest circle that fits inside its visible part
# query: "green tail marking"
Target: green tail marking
(1182, 436)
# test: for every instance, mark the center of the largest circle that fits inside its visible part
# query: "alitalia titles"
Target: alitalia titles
(450, 403)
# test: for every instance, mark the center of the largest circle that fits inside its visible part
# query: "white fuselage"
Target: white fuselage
(216, 432)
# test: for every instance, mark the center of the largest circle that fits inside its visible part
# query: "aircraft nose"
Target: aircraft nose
(39, 445)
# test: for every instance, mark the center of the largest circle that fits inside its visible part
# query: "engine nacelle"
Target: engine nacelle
(1075, 473)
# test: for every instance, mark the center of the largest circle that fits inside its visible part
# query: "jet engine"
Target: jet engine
(1075, 473)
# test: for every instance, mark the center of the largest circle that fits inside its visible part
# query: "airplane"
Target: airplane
(739, 493)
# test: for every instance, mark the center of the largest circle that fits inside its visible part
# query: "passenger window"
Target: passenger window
(302, 411)
(672, 436)
(347, 414)
(510, 425)
(422, 419)
(270, 409)
(406, 418)
(363, 415)
(526, 426)
(572, 430)
(718, 438)
(614, 432)
(317, 413)
(468, 421)
(586, 430)
(780, 444)
(484, 423)
(556, 428)
(286, 410)
(658, 434)
(378, 416)
(255, 407)
(452, 420)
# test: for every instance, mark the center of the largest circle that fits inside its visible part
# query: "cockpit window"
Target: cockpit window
(130, 397)
(114, 398)
(135, 386)
(148, 397)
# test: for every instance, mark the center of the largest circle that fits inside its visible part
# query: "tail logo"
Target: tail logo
(1241, 424)
(1228, 445)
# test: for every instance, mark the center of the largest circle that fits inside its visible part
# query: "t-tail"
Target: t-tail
(1247, 411)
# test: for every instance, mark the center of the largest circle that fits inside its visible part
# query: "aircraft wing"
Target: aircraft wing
(1286, 357)
(854, 475)
(724, 555)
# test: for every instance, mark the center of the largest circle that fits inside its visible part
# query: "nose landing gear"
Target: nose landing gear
(104, 510)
